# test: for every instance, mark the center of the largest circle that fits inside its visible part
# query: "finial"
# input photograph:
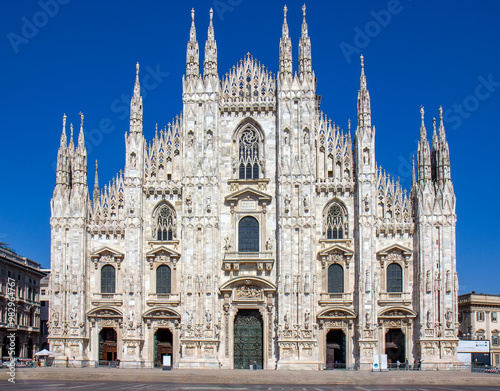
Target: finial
(192, 14)
(211, 14)
(285, 9)
(434, 124)
(96, 166)
(422, 113)
(441, 113)
(81, 119)
(304, 11)
(64, 121)
(137, 69)
(71, 130)
(349, 125)
(362, 61)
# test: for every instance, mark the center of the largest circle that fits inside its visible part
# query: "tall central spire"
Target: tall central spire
(424, 153)
(364, 110)
(193, 56)
(285, 48)
(210, 64)
(305, 63)
(136, 105)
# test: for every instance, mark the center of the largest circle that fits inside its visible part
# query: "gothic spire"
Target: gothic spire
(424, 156)
(285, 48)
(444, 151)
(81, 136)
(210, 64)
(364, 111)
(305, 62)
(136, 105)
(64, 141)
(192, 56)
(71, 145)
(95, 198)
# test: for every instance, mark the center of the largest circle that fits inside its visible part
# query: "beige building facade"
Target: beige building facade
(251, 230)
(478, 314)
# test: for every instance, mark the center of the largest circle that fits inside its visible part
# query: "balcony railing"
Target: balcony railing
(261, 260)
(171, 299)
(344, 299)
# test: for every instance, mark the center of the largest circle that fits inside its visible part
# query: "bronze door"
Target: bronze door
(248, 339)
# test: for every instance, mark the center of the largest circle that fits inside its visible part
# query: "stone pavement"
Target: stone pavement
(222, 376)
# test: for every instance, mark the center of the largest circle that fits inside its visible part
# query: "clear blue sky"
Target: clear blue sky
(81, 55)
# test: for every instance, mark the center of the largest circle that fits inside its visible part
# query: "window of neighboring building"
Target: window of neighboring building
(480, 316)
(394, 278)
(495, 340)
(248, 235)
(494, 316)
(249, 164)
(108, 279)
(335, 220)
(43, 291)
(165, 223)
(335, 279)
(163, 279)
(459, 317)
(42, 303)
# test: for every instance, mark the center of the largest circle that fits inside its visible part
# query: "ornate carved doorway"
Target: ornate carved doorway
(163, 346)
(395, 346)
(248, 339)
(107, 345)
(335, 349)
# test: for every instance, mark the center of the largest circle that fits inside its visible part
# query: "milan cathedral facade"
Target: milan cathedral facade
(251, 230)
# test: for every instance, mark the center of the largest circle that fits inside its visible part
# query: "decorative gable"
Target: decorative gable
(248, 199)
(162, 254)
(107, 255)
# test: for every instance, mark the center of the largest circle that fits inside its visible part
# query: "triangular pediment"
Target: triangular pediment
(162, 251)
(336, 249)
(395, 248)
(248, 194)
(106, 251)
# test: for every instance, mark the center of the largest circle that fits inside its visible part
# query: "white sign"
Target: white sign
(383, 362)
(167, 362)
(376, 363)
(248, 205)
(473, 346)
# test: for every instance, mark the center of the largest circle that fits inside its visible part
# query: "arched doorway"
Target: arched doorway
(248, 339)
(395, 346)
(107, 345)
(163, 346)
(29, 353)
(335, 349)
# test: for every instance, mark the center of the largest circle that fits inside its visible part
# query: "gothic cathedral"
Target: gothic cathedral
(252, 231)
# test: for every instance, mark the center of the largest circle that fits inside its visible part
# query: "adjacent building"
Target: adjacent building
(44, 309)
(478, 315)
(252, 230)
(23, 276)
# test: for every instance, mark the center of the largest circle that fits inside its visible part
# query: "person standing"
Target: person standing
(73, 363)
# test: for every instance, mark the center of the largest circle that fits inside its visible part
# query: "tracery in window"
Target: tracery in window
(336, 222)
(335, 279)
(394, 278)
(163, 279)
(165, 223)
(249, 165)
(248, 235)
(108, 279)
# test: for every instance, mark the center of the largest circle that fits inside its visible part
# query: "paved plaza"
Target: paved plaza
(205, 379)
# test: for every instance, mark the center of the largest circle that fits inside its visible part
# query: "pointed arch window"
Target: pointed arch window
(248, 235)
(165, 223)
(163, 279)
(394, 278)
(108, 279)
(336, 222)
(249, 165)
(335, 279)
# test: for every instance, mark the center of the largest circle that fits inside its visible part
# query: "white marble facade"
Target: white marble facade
(253, 202)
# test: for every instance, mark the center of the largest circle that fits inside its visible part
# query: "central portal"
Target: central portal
(248, 339)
